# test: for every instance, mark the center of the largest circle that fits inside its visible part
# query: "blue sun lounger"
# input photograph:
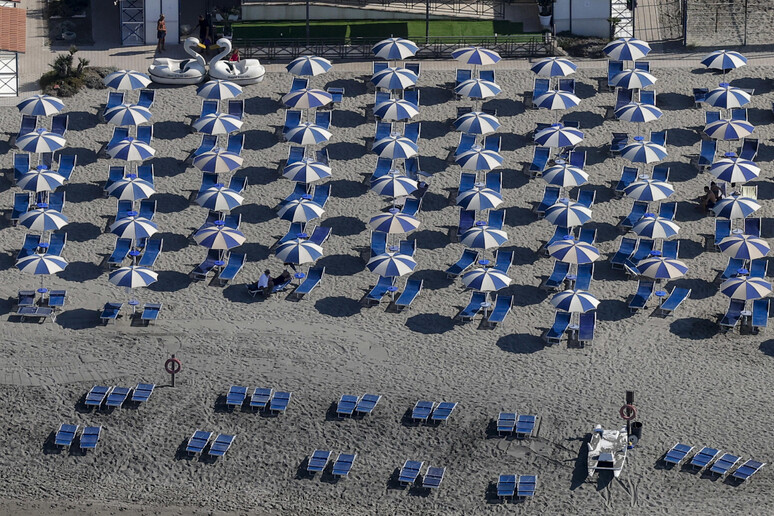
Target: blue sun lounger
(236, 261)
(110, 312)
(550, 196)
(677, 454)
(379, 290)
(117, 397)
(724, 464)
(675, 299)
(443, 411)
(197, 442)
(236, 396)
(540, 158)
(312, 279)
(346, 405)
(65, 435)
(525, 426)
(748, 469)
(367, 404)
(644, 292)
(757, 268)
(526, 485)
(468, 258)
(639, 209)
(506, 486)
(556, 332)
(142, 392)
(660, 173)
(433, 477)
(280, 401)
(506, 422)
(617, 143)
(760, 313)
(587, 324)
(318, 461)
(409, 472)
(343, 464)
(502, 307)
(706, 154)
(261, 397)
(722, 230)
(422, 410)
(705, 457)
(733, 315)
(221, 445)
(29, 246)
(670, 249)
(473, 308)
(558, 275)
(90, 437)
(96, 396)
(409, 294)
(628, 176)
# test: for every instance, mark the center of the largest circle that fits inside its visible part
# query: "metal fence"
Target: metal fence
(659, 21)
(472, 8)
(729, 22)
(360, 48)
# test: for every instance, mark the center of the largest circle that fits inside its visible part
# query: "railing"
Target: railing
(472, 8)
(360, 48)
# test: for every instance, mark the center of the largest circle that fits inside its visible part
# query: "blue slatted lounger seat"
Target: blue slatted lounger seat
(556, 332)
(587, 324)
(343, 464)
(706, 154)
(65, 435)
(379, 290)
(235, 263)
(550, 196)
(526, 485)
(443, 411)
(502, 307)
(506, 422)
(585, 273)
(724, 464)
(318, 461)
(433, 477)
(142, 392)
(409, 472)
(117, 397)
(367, 404)
(628, 176)
(56, 299)
(733, 315)
(675, 299)
(677, 454)
(221, 444)
(236, 396)
(617, 143)
(746, 470)
(473, 307)
(506, 486)
(346, 405)
(760, 316)
(280, 401)
(503, 259)
(525, 425)
(558, 275)
(410, 293)
(422, 410)
(705, 457)
(722, 230)
(639, 209)
(96, 396)
(197, 442)
(467, 219)
(26, 298)
(312, 279)
(261, 397)
(150, 313)
(90, 437)
(644, 292)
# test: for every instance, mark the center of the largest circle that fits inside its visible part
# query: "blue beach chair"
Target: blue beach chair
(506, 486)
(422, 410)
(90, 437)
(526, 485)
(236, 396)
(65, 435)
(724, 464)
(433, 477)
(379, 290)
(558, 275)
(221, 445)
(318, 461)
(197, 442)
(96, 396)
(280, 401)
(733, 315)
(443, 411)
(346, 405)
(343, 464)
(525, 426)
(746, 470)
(506, 422)
(261, 397)
(502, 307)
(644, 292)
(677, 454)
(555, 333)
(473, 308)
(117, 397)
(367, 404)
(409, 472)
(142, 392)
(409, 294)
(674, 300)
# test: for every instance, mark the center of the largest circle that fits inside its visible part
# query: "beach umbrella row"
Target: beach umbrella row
(476, 122)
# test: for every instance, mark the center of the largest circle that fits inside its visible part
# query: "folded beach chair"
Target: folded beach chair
(467, 220)
(677, 454)
(409, 472)
(550, 196)
(558, 275)
(117, 397)
(65, 435)
(236, 396)
(422, 410)
(618, 142)
(556, 332)
(645, 289)
(733, 314)
(261, 397)
(748, 469)
(346, 405)
(506, 422)
(506, 486)
(722, 230)
(142, 392)
(27, 125)
(110, 312)
(752, 226)
(379, 290)
(674, 300)
(613, 69)
(749, 149)
(410, 293)
(197, 442)
(443, 411)
(587, 323)
(367, 404)
(540, 157)
(473, 308)
(706, 154)
(724, 464)
(433, 477)
(343, 464)
(96, 396)
(502, 307)
(639, 209)
(760, 314)
(220, 445)
(318, 461)
(525, 486)
(525, 426)
(313, 278)
(628, 176)
(279, 402)
(704, 458)
(90, 437)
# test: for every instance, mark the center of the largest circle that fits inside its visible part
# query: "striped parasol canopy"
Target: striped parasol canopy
(393, 222)
(299, 251)
(744, 247)
(745, 288)
(733, 169)
(219, 198)
(477, 122)
(632, 79)
(736, 207)
(661, 268)
(301, 210)
(390, 265)
(481, 236)
(131, 188)
(566, 213)
(554, 67)
(306, 171)
(486, 279)
(40, 179)
(574, 301)
(478, 158)
(394, 184)
(476, 56)
(729, 129)
(307, 133)
(217, 123)
(307, 98)
(125, 115)
(638, 112)
(394, 110)
(133, 276)
(395, 146)
(477, 89)
(395, 49)
(218, 161)
(565, 175)
(556, 99)
(643, 151)
(40, 141)
(40, 105)
(219, 236)
(126, 80)
(41, 264)
(134, 227)
(649, 190)
(131, 149)
(43, 219)
(626, 49)
(219, 89)
(557, 135)
(653, 227)
(724, 60)
(479, 198)
(309, 65)
(726, 96)
(394, 78)
(569, 250)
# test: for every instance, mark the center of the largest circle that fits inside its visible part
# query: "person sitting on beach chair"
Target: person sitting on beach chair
(264, 285)
(708, 200)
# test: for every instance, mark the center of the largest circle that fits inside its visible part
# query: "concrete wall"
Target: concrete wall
(152, 10)
(322, 12)
(589, 17)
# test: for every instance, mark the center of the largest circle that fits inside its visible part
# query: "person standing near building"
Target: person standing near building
(161, 34)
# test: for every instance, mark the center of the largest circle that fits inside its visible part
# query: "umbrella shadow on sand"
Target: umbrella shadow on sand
(345, 226)
(338, 306)
(347, 189)
(170, 281)
(693, 328)
(82, 192)
(81, 120)
(79, 319)
(340, 264)
(430, 324)
(348, 119)
(81, 271)
(521, 343)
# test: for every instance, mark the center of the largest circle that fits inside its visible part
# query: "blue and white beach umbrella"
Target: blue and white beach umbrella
(643, 151)
(40, 105)
(40, 141)
(729, 129)
(649, 190)
(638, 112)
(395, 49)
(481, 236)
(41, 264)
(744, 247)
(476, 56)
(134, 227)
(479, 198)
(219, 236)
(299, 251)
(133, 276)
(574, 301)
(569, 250)
(557, 135)
(479, 159)
(131, 188)
(125, 115)
(477, 89)
(554, 67)
(307, 98)
(486, 279)
(727, 97)
(217, 123)
(394, 78)
(733, 169)
(566, 213)
(477, 122)
(565, 176)
(131, 149)
(43, 219)
(661, 268)
(724, 60)
(745, 288)
(40, 179)
(393, 222)
(736, 207)
(633, 79)
(394, 110)
(395, 147)
(394, 184)
(126, 80)
(626, 49)
(306, 171)
(219, 198)
(218, 161)
(309, 65)
(307, 133)
(555, 99)
(218, 89)
(390, 265)
(653, 227)
(301, 210)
